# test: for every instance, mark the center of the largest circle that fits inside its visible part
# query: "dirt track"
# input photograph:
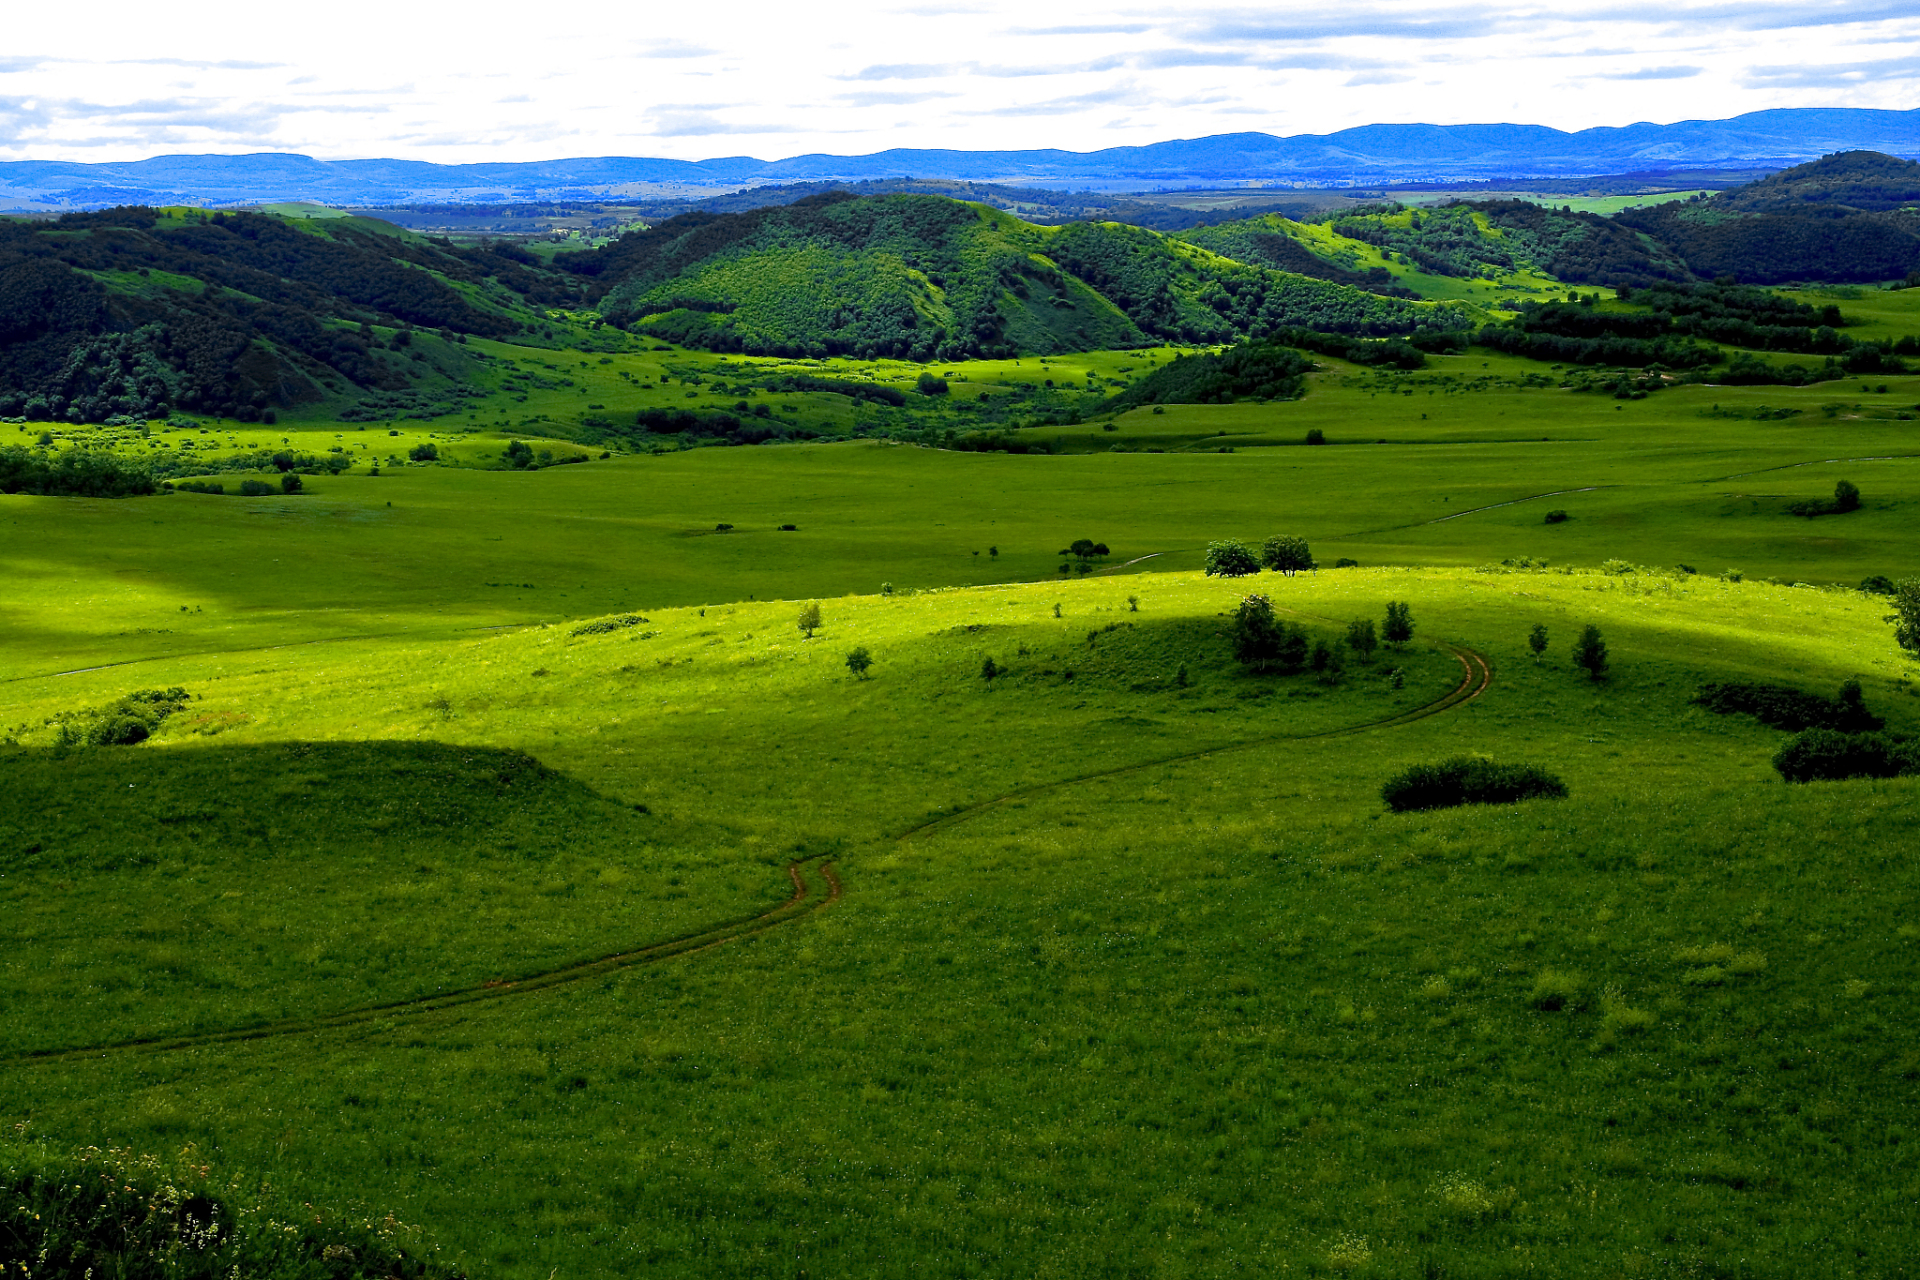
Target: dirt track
(1476, 676)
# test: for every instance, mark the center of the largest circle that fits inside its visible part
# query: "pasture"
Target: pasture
(519, 866)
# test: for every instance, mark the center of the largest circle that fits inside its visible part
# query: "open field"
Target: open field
(519, 867)
(1178, 1004)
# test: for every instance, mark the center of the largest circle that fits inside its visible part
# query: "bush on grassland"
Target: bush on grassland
(1825, 755)
(1464, 780)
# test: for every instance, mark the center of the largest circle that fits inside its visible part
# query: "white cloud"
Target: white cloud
(987, 74)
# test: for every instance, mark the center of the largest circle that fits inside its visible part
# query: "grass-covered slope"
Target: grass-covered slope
(923, 277)
(1163, 986)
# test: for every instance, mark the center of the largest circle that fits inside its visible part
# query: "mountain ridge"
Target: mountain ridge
(1372, 152)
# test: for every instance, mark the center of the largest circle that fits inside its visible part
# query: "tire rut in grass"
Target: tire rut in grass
(1476, 675)
(800, 905)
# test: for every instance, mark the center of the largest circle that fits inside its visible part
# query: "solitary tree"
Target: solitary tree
(1399, 627)
(809, 620)
(1286, 554)
(1229, 558)
(988, 670)
(1362, 639)
(858, 661)
(1906, 615)
(1846, 496)
(1537, 641)
(1590, 653)
(290, 483)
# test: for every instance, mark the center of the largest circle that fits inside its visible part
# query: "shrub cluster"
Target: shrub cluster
(605, 626)
(1819, 755)
(1465, 780)
(121, 724)
(1782, 707)
(117, 1213)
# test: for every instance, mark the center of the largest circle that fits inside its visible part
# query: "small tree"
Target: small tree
(988, 670)
(1256, 634)
(1846, 496)
(1590, 653)
(1286, 554)
(1537, 641)
(1229, 558)
(1326, 662)
(1906, 615)
(858, 661)
(1362, 639)
(809, 620)
(428, 452)
(1399, 626)
(290, 483)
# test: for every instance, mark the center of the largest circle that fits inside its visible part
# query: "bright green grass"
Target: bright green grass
(1200, 1018)
(431, 550)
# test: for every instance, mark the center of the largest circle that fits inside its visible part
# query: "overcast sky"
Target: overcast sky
(112, 80)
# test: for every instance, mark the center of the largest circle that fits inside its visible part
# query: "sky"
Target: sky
(115, 81)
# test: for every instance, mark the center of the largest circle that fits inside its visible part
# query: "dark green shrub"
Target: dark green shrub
(858, 661)
(1782, 707)
(1590, 653)
(928, 385)
(1316, 436)
(1556, 517)
(1362, 639)
(255, 488)
(1346, 562)
(1827, 755)
(1468, 781)
(428, 452)
(1399, 626)
(291, 483)
(1877, 585)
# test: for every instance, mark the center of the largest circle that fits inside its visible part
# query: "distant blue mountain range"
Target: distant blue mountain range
(1369, 153)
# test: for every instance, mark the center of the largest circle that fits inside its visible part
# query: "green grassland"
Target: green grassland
(664, 943)
(1185, 1001)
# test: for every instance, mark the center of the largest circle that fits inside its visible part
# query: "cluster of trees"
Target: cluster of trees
(1263, 643)
(234, 314)
(75, 473)
(1247, 371)
(1256, 241)
(1282, 553)
(1784, 707)
(1841, 218)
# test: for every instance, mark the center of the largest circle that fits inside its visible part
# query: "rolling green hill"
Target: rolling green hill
(922, 277)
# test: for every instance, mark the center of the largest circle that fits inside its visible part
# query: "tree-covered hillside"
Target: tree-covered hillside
(141, 312)
(1851, 217)
(929, 278)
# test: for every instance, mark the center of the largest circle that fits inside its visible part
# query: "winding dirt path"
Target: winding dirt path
(1476, 675)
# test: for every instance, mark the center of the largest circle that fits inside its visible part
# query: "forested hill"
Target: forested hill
(140, 312)
(1851, 217)
(923, 277)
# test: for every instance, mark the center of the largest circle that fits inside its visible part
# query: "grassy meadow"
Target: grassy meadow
(1111, 964)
